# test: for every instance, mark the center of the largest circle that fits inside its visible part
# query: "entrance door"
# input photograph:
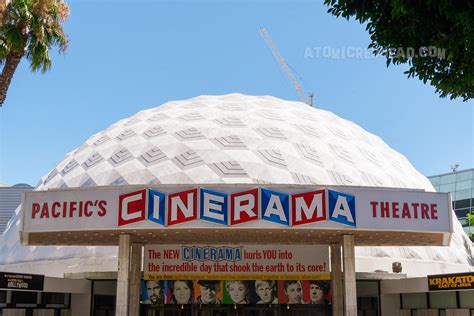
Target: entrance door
(260, 310)
(214, 310)
(280, 310)
(305, 310)
(167, 310)
(239, 310)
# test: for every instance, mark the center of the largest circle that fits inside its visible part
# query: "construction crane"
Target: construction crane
(308, 99)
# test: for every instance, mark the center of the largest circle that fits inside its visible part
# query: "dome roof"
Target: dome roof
(237, 139)
(234, 139)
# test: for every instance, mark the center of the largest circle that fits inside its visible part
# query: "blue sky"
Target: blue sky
(131, 55)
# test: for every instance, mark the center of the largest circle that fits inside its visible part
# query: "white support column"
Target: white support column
(336, 281)
(350, 290)
(135, 277)
(123, 276)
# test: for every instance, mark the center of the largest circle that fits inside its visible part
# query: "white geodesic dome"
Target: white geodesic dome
(233, 138)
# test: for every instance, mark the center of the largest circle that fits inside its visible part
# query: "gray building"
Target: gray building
(461, 186)
(10, 198)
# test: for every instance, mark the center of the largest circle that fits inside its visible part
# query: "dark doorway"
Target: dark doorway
(235, 310)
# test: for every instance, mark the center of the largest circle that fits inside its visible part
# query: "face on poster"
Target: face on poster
(180, 292)
(304, 292)
(250, 292)
(208, 292)
(266, 292)
(233, 292)
(236, 292)
(152, 292)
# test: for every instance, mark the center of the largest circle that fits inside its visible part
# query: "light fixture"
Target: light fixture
(396, 267)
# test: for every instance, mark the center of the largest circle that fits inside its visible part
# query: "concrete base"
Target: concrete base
(458, 312)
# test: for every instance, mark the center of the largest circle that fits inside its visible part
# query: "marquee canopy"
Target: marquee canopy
(236, 214)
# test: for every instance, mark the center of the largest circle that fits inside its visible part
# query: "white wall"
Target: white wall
(61, 285)
(390, 304)
(81, 304)
(411, 285)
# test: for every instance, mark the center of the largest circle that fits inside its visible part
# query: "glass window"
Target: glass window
(467, 175)
(464, 185)
(105, 305)
(463, 194)
(3, 296)
(449, 178)
(367, 304)
(55, 299)
(367, 288)
(414, 300)
(105, 287)
(443, 300)
(462, 204)
(24, 299)
(451, 187)
(461, 213)
(464, 222)
(434, 180)
(466, 299)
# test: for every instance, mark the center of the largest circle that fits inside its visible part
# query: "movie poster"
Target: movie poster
(304, 292)
(236, 292)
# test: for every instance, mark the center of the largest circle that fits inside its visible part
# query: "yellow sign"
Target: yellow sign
(446, 282)
(326, 276)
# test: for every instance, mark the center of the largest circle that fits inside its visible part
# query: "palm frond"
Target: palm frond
(32, 28)
(38, 55)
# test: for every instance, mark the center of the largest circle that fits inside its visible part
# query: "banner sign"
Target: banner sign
(181, 292)
(16, 281)
(235, 262)
(228, 206)
(446, 282)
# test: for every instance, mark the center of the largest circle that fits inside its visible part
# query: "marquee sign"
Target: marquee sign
(235, 206)
(214, 206)
(18, 281)
(236, 262)
(453, 282)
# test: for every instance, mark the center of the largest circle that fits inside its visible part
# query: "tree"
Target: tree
(470, 220)
(29, 28)
(434, 37)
